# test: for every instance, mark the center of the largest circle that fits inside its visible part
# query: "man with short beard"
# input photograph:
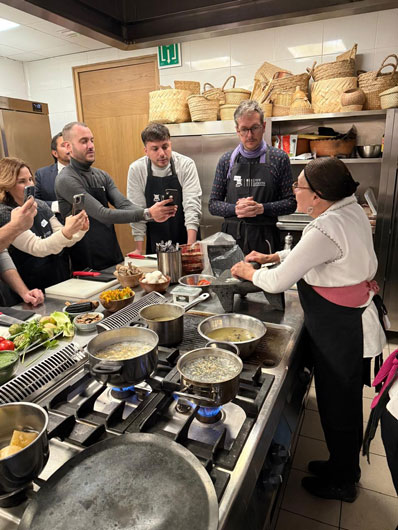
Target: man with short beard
(100, 248)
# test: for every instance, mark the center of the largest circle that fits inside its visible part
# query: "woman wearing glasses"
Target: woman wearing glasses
(333, 265)
(252, 185)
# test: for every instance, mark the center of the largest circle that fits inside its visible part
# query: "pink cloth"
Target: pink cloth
(386, 373)
(349, 296)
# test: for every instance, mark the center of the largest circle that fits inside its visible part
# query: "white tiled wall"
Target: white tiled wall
(12, 79)
(213, 60)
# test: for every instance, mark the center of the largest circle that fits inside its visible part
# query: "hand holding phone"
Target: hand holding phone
(78, 203)
(29, 191)
(171, 194)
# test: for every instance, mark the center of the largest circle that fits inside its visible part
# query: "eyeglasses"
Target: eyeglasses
(244, 131)
(295, 186)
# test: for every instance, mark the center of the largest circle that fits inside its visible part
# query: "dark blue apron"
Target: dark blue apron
(252, 179)
(41, 272)
(336, 344)
(174, 228)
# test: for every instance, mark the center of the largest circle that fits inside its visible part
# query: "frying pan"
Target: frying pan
(130, 482)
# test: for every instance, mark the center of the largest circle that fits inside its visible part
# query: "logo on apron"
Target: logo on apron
(44, 223)
(238, 181)
(257, 182)
(156, 197)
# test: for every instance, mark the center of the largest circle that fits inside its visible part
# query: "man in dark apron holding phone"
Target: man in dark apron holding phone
(253, 185)
(100, 248)
(159, 175)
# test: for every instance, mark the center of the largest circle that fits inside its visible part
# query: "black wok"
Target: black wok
(134, 481)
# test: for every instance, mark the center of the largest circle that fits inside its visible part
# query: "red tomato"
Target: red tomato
(1, 339)
(6, 345)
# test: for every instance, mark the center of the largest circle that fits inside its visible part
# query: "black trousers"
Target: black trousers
(336, 345)
(389, 434)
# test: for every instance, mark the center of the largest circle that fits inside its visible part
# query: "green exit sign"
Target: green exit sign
(169, 56)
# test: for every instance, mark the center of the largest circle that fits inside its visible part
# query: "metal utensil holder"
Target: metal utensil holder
(169, 263)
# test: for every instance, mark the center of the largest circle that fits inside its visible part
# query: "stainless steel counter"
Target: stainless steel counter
(239, 490)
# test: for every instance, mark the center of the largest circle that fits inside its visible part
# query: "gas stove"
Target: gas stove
(82, 412)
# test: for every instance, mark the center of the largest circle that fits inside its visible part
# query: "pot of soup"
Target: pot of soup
(242, 330)
(209, 376)
(23, 444)
(167, 320)
(123, 357)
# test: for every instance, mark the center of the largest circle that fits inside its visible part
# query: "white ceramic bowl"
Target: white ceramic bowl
(92, 326)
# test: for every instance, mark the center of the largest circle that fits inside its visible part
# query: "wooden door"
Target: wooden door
(112, 99)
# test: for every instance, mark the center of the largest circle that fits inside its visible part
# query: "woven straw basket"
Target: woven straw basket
(373, 83)
(290, 82)
(213, 93)
(344, 66)
(389, 98)
(326, 94)
(234, 96)
(203, 109)
(262, 79)
(227, 111)
(169, 106)
(280, 110)
(267, 109)
(192, 86)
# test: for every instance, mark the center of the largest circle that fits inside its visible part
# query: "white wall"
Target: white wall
(291, 47)
(12, 79)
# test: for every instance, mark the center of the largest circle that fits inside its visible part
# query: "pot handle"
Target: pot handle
(207, 401)
(106, 369)
(138, 324)
(197, 300)
(229, 346)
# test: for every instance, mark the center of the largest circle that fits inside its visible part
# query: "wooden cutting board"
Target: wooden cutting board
(80, 289)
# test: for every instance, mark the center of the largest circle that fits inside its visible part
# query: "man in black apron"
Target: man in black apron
(159, 174)
(99, 249)
(252, 185)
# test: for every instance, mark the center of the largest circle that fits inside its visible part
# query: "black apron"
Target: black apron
(41, 272)
(255, 180)
(336, 344)
(99, 248)
(174, 228)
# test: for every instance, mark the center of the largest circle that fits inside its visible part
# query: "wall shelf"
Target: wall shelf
(345, 160)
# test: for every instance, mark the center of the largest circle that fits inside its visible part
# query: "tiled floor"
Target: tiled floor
(376, 507)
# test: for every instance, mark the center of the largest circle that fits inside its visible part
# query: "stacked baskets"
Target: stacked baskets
(373, 83)
(233, 97)
(331, 80)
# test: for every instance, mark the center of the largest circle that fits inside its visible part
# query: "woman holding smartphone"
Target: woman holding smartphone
(38, 252)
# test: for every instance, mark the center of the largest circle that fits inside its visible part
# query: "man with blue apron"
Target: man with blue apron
(252, 185)
(173, 229)
(161, 174)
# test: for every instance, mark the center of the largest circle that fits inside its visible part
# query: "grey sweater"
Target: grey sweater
(78, 178)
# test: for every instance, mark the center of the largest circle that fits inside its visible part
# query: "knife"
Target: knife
(86, 273)
(140, 256)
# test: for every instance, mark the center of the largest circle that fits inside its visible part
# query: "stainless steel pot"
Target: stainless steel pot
(170, 331)
(208, 394)
(228, 320)
(21, 468)
(125, 372)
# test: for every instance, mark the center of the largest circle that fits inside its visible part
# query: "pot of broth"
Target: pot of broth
(242, 330)
(123, 357)
(209, 376)
(23, 444)
(167, 320)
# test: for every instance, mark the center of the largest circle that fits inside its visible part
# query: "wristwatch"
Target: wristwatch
(147, 214)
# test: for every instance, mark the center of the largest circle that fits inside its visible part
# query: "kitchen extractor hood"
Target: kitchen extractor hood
(128, 24)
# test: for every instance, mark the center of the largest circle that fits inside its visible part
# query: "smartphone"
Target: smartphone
(78, 203)
(171, 194)
(29, 191)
